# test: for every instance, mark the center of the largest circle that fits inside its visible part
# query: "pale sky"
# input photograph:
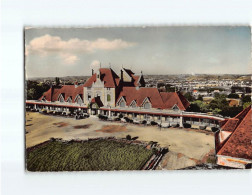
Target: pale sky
(52, 52)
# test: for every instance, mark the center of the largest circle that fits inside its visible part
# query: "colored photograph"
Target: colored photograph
(137, 98)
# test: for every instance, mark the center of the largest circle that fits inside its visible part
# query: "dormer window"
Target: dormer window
(61, 98)
(133, 104)
(43, 99)
(175, 107)
(69, 100)
(78, 99)
(146, 103)
(121, 102)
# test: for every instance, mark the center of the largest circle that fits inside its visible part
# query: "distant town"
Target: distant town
(195, 87)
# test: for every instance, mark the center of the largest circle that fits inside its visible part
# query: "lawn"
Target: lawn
(93, 155)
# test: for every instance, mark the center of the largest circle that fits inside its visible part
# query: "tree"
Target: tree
(57, 80)
(128, 137)
(200, 97)
(246, 98)
(35, 90)
(193, 108)
(198, 106)
(189, 97)
(169, 88)
(233, 95)
(160, 85)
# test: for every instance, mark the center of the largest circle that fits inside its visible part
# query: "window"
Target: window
(133, 104)
(175, 108)
(61, 99)
(108, 98)
(122, 103)
(79, 101)
(69, 100)
(89, 96)
(147, 105)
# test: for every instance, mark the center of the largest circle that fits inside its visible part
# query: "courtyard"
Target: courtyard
(187, 147)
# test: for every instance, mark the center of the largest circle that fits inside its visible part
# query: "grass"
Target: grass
(93, 155)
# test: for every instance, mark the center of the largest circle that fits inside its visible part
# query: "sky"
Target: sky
(51, 52)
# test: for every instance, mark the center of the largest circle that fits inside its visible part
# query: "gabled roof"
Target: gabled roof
(110, 78)
(232, 123)
(239, 145)
(172, 98)
(131, 93)
(158, 100)
(68, 90)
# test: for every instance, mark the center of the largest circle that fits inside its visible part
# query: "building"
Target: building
(106, 93)
(233, 141)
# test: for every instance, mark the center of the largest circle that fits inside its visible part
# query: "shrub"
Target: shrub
(128, 137)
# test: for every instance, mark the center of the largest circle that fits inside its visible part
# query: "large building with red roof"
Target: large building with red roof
(109, 94)
(233, 141)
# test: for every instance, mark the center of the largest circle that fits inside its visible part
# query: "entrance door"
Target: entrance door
(94, 109)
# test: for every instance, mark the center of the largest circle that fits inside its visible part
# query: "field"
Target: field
(93, 155)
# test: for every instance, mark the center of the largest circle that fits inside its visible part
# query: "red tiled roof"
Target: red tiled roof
(158, 100)
(172, 98)
(232, 123)
(66, 90)
(239, 144)
(47, 95)
(107, 75)
(131, 93)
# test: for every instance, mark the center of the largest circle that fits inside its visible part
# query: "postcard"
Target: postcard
(137, 98)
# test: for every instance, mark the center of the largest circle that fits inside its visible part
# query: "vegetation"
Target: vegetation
(57, 81)
(246, 98)
(189, 96)
(90, 155)
(168, 87)
(246, 104)
(35, 90)
(219, 105)
(233, 95)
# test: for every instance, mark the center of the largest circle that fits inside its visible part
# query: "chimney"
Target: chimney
(121, 75)
(92, 71)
